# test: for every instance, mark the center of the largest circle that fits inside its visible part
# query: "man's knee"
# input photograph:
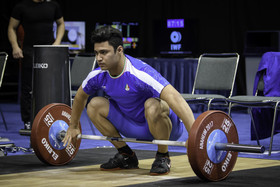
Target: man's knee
(98, 106)
(155, 109)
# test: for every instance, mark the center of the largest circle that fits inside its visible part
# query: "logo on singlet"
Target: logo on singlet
(127, 87)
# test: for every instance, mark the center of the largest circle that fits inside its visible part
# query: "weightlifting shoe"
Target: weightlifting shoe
(121, 161)
(161, 166)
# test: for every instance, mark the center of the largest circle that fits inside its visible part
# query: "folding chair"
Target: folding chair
(256, 101)
(81, 66)
(215, 72)
(3, 61)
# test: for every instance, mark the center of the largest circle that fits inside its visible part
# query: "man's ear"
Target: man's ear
(120, 49)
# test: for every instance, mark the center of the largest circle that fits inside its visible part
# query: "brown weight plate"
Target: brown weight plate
(47, 149)
(199, 160)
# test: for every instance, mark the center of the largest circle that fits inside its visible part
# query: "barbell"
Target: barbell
(212, 144)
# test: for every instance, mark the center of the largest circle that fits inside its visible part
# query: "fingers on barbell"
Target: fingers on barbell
(66, 140)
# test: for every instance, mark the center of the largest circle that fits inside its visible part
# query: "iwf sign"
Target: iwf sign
(175, 36)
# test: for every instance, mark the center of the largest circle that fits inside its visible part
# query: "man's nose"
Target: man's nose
(98, 57)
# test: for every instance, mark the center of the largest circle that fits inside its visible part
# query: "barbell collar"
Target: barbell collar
(239, 148)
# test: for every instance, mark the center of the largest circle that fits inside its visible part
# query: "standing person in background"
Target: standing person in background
(36, 17)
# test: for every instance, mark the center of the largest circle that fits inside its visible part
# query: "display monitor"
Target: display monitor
(175, 37)
(74, 36)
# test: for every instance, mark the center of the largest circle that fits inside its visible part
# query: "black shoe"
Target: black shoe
(161, 166)
(121, 161)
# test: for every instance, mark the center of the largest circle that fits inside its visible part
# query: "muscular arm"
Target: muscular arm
(60, 31)
(79, 104)
(12, 35)
(178, 104)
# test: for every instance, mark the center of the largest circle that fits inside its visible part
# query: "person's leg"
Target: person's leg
(25, 99)
(26, 87)
(98, 111)
(157, 115)
(160, 125)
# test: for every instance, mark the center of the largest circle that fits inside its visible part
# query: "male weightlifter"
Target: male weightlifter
(140, 103)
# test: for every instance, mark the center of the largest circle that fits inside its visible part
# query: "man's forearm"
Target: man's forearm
(59, 32)
(79, 104)
(177, 103)
(12, 37)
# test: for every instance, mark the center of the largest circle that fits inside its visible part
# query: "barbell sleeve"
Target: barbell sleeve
(239, 147)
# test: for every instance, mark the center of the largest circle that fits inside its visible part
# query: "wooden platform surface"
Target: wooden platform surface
(90, 175)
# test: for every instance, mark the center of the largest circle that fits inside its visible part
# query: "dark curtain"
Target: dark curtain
(221, 24)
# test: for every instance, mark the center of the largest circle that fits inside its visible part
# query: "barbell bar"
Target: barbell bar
(218, 146)
(212, 144)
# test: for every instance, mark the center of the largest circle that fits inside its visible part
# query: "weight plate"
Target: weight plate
(214, 123)
(49, 121)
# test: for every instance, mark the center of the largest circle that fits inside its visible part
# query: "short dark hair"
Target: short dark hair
(107, 33)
